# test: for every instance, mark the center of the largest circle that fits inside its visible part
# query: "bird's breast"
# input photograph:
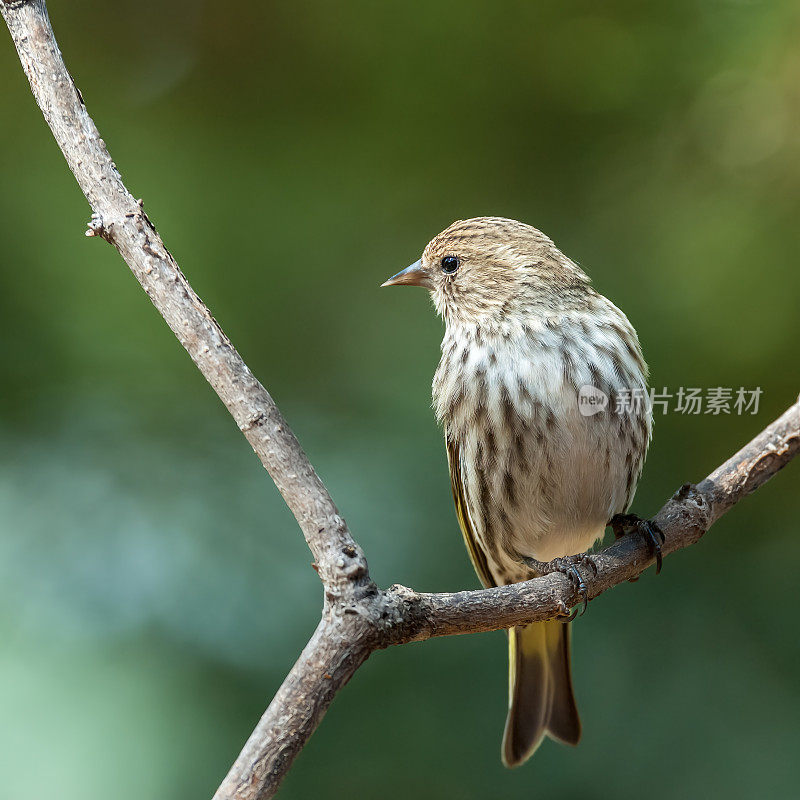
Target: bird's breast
(540, 477)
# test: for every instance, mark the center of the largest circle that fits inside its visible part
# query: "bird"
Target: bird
(538, 468)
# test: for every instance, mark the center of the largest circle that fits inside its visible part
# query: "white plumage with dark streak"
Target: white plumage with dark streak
(532, 476)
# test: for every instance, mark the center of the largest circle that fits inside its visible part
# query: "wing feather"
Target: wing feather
(476, 554)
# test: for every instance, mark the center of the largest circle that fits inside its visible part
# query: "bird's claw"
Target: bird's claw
(655, 538)
(569, 567)
(564, 613)
(588, 561)
(623, 524)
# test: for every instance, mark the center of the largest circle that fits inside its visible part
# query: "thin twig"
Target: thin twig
(357, 617)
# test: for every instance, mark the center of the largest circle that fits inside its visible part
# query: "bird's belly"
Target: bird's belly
(571, 492)
(573, 477)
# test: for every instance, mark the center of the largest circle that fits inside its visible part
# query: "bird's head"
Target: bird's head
(486, 268)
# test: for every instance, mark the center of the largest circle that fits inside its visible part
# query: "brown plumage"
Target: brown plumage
(532, 476)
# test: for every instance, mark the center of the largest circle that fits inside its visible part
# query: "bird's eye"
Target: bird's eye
(449, 264)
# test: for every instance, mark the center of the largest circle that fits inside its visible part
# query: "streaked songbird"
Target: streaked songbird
(536, 476)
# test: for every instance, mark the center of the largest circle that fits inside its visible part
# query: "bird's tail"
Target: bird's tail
(540, 690)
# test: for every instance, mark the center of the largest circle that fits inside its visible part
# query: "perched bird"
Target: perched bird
(535, 477)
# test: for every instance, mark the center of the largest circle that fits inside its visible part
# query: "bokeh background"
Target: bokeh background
(154, 590)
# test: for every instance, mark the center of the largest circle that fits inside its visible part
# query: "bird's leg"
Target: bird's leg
(623, 524)
(569, 567)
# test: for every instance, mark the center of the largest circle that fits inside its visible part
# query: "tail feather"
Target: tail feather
(541, 700)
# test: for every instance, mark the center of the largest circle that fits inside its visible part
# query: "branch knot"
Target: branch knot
(97, 227)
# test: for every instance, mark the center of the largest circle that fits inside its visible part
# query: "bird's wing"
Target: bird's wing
(476, 554)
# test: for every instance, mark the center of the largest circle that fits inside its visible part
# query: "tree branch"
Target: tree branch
(121, 220)
(357, 617)
(337, 649)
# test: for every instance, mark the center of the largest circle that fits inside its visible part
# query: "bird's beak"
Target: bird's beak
(414, 275)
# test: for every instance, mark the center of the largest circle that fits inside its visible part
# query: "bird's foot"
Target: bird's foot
(569, 567)
(623, 524)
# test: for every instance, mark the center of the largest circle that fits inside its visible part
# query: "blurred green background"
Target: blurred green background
(153, 588)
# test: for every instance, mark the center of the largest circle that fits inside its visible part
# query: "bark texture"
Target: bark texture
(357, 617)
